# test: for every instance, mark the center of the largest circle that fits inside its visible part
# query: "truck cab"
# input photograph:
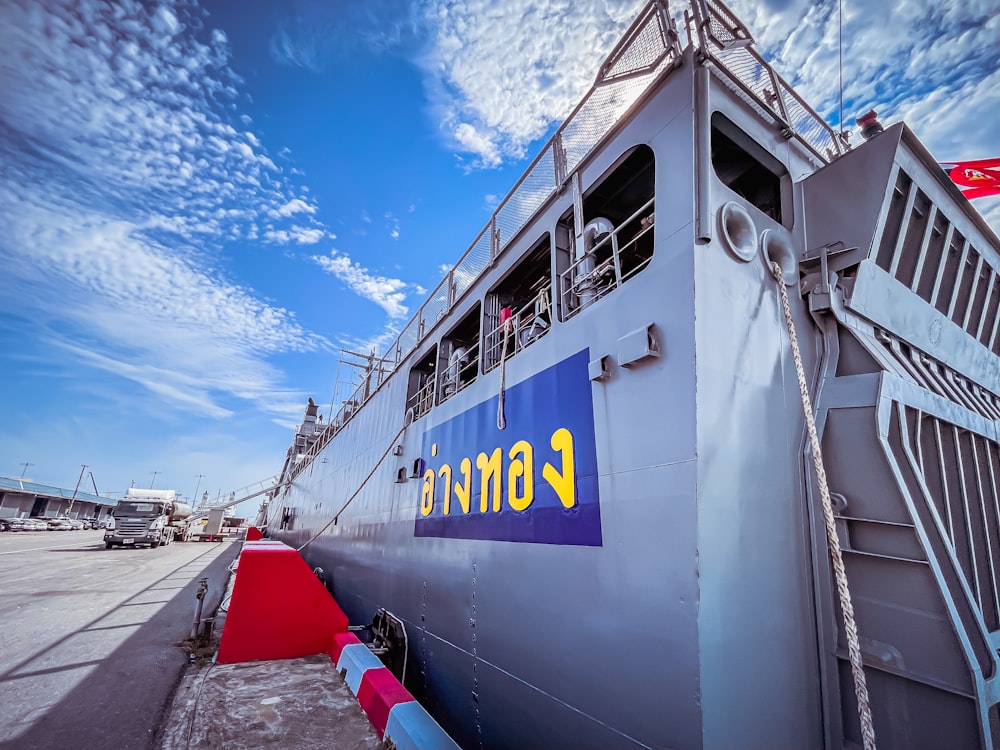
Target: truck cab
(146, 517)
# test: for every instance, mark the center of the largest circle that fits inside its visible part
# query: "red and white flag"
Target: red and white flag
(975, 179)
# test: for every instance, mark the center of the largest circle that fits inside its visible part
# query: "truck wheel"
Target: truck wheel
(154, 545)
(108, 545)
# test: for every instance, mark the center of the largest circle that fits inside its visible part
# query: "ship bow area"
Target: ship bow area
(760, 678)
(894, 284)
(580, 476)
(909, 399)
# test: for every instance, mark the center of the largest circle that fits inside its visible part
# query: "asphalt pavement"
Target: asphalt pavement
(122, 693)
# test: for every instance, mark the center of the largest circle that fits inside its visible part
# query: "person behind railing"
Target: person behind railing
(452, 375)
(536, 325)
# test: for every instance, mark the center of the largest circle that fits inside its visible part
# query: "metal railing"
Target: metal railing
(648, 49)
(609, 264)
(458, 376)
(921, 248)
(725, 40)
(961, 471)
(938, 378)
(234, 497)
(422, 401)
(527, 324)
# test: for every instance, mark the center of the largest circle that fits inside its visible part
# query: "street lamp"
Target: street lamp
(194, 497)
(154, 479)
(24, 467)
(83, 468)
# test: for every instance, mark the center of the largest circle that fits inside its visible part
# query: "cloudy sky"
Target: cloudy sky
(203, 202)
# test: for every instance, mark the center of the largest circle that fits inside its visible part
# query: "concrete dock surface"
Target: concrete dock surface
(301, 704)
(293, 703)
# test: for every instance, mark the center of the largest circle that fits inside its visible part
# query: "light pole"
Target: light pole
(83, 468)
(194, 497)
(24, 467)
(154, 479)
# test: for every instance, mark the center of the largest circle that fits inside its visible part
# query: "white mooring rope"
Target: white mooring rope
(836, 558)
(507, 324)
(356, 492)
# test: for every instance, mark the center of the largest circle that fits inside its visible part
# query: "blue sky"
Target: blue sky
(201, 203)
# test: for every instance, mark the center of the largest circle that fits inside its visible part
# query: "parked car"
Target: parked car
(12, 524)
(76, 523)
(35, 524)
(59, 524)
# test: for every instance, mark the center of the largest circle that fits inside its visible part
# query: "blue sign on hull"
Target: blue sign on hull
(535, 481)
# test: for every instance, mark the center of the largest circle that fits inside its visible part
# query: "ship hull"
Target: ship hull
(602, 528)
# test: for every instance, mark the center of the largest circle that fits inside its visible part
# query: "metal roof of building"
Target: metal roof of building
(23, 485)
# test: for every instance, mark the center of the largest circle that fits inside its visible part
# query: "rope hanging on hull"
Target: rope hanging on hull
(350, 500)
(507, 323)
(833, 543)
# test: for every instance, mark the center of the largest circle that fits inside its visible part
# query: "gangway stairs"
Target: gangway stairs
(223, 501)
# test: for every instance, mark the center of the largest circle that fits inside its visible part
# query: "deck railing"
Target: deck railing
(650, 47)
(722, 38)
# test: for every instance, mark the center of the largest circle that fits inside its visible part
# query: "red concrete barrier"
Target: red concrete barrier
(379, 692)
(253, 534)
(279, 609)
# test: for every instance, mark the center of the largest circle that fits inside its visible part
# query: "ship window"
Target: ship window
(524, 297)
(458, 360)
(745, 167)
(617, 237)
(420, 387)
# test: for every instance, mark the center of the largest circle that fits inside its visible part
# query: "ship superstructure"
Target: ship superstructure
(580, 477)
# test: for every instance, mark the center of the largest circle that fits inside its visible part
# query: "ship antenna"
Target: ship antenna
(840, 45)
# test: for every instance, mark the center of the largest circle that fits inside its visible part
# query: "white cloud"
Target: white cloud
(383, 291)
(165, 22)
(117, 160)
(325, 34)
(481, 142)
(295, 206)
(933, 65)
(133, 107)
(298, 235)
(155, 317)
(498, 82)
(498, 75)
(392, 225)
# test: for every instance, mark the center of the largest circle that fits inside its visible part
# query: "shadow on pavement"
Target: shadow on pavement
(122, 703)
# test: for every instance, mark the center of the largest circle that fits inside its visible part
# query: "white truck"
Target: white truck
(150, 517)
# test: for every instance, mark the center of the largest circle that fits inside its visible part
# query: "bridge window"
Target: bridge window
(616, 241)
(745, 167)
(524, 298)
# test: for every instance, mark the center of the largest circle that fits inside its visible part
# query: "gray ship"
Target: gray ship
(577, 497)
